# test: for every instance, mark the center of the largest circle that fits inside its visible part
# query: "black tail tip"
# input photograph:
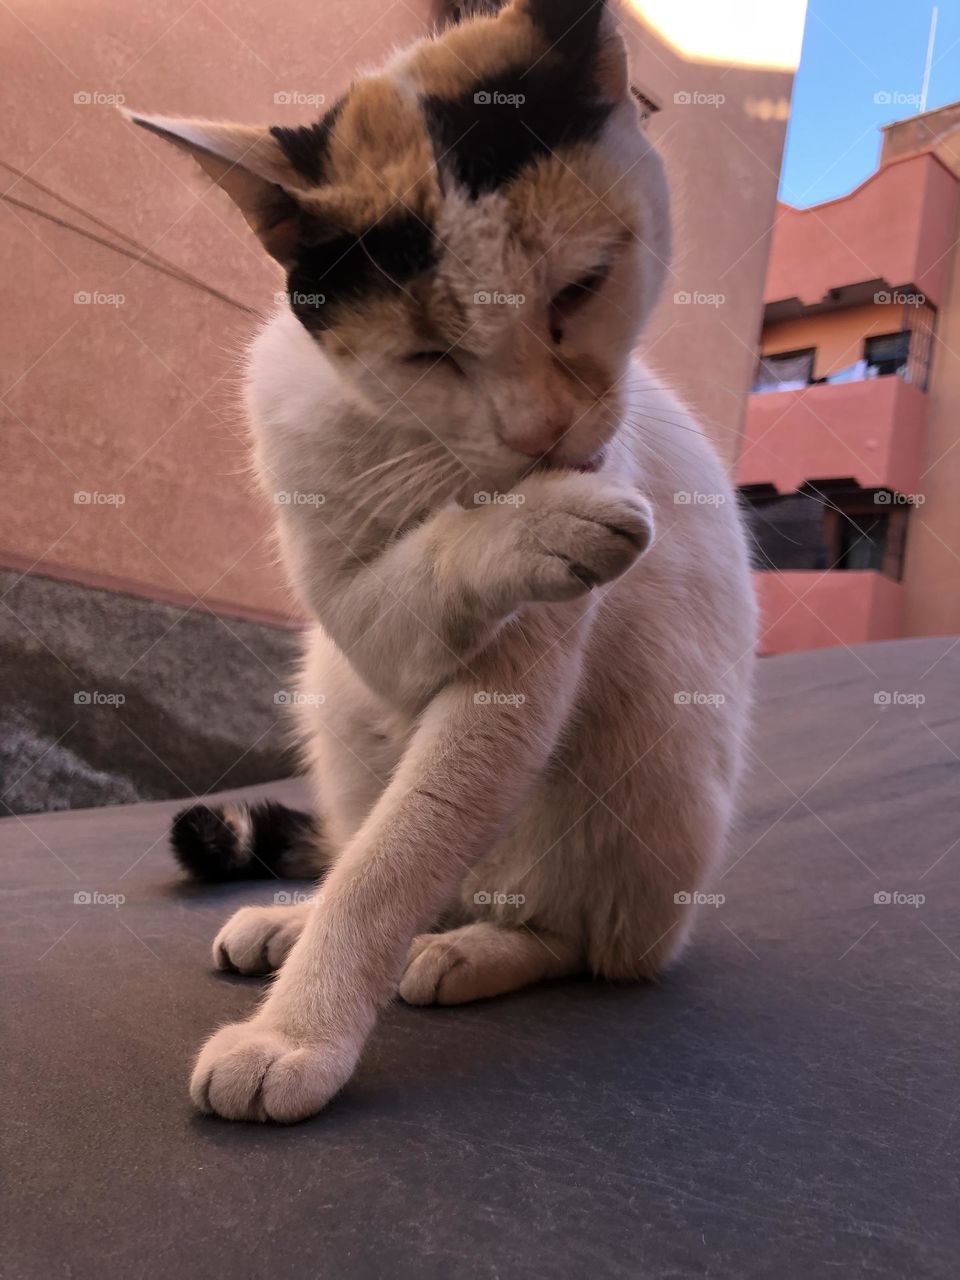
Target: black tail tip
(239, 841)
(208, 844)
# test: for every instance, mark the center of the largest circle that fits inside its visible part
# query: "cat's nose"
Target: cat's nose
(534, 444)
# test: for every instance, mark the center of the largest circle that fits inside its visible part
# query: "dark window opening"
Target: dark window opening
(787, 371)
(887, 353)
(826, 526)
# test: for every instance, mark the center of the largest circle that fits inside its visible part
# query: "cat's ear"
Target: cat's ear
(584, 32)
(251, 167)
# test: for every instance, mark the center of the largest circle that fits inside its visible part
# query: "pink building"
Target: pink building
(848, 461)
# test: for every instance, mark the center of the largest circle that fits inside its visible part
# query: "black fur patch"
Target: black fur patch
(347, 268)
(207, 846)
(500, 125)
(307, 147)
(570, 26)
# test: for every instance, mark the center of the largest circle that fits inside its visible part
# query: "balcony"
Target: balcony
(816, 610)
(894, 230)
(871, 431)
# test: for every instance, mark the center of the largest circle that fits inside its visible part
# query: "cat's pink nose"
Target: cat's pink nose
(536, 444)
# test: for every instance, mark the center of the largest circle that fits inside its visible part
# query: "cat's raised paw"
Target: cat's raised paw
(252, 1071)
(582, 533)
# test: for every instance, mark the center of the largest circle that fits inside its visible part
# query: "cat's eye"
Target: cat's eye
(429, 358)
(572, 297)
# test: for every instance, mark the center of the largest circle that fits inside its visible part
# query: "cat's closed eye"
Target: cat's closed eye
(429, 359)
(572, 297)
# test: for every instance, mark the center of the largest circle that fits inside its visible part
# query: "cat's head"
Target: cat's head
(473, 235)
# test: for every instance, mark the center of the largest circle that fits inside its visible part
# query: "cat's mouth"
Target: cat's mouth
(551, 462)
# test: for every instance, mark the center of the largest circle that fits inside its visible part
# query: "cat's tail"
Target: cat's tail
(241, 841)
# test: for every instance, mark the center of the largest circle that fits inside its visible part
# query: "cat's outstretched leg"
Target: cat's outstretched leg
(469, 767)
(483, 959)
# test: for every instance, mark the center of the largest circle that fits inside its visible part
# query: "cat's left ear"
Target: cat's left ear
(584, 33)
(251, 167)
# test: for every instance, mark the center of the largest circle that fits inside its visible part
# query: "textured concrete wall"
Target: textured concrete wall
(109, 698)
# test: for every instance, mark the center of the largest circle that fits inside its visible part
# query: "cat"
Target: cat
(527, 681)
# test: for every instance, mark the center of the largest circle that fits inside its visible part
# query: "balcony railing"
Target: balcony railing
(871, 431)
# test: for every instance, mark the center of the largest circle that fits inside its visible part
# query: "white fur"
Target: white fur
(546, 768)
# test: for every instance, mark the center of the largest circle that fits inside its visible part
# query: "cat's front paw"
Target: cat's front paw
(254, 1071)
(582, 532)
(256, 940)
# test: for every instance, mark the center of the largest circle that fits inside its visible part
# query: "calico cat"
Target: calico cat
(527, 682)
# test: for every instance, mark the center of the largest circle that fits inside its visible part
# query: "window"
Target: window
(887, 353)
(787, 371)
(836, 527)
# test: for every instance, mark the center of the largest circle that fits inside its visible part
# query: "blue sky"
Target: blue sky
(854, 52)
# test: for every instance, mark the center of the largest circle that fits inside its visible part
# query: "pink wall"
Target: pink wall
(137, 400)
(896, 226)
(817, 610)
(871, 430)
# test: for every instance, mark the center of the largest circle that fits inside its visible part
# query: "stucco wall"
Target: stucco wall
(131, 396)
